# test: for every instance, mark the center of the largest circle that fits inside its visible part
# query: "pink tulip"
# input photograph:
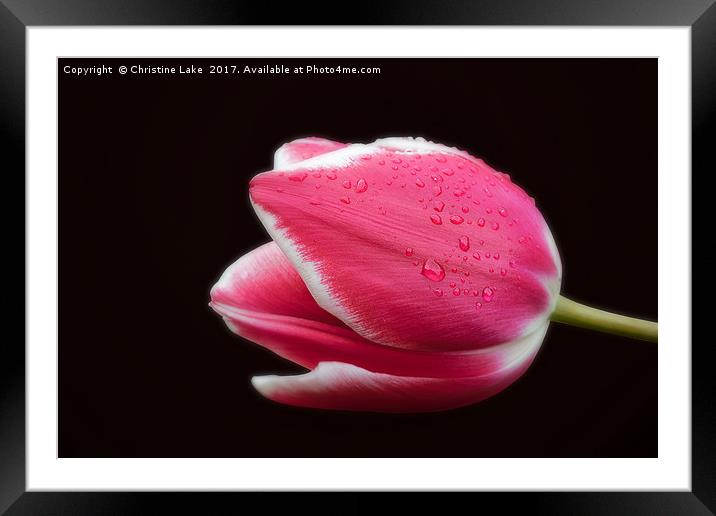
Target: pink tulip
(407, 276)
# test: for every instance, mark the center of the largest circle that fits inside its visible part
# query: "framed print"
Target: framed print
(389, 256)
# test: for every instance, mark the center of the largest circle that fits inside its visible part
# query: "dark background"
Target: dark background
(153, 174)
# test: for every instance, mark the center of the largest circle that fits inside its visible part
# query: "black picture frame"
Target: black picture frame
(17, 15)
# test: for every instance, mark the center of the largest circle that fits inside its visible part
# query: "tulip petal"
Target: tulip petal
(413, 244)
(340, 386)
(303, 149)
(263, 299)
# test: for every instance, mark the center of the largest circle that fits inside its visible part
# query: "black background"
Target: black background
(153, 206)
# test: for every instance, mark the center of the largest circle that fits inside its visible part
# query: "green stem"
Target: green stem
(576, 314)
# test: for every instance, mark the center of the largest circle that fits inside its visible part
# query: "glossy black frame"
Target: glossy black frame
(17, 15)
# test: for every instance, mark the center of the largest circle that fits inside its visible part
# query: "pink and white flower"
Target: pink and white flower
(407, 276)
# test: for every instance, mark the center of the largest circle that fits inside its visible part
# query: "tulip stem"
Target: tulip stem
(577, 314)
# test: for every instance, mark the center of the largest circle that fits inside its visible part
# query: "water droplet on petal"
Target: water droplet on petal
(331, 175)
(476, 256)
(449, 171)
(366, 157)
(465, 209)
(408, 251)
(433, 270)
(315, 201)
(481, 222)
(347, 183)
(298, 177)
(456, 219)
(438, 292)
(435, 219)
(502, 212)
(438, 206)
(487, 294)
(512, 264)
(495, 226)
(464, 243)
(503, 272)
(345, 199)
(456, 292)
(437, 190)
(478, 305)
(440, 158)
(361, 186)
(419, 183)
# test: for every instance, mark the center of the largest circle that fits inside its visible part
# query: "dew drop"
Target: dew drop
(448, 171)
(433, 270)
(438, 292)
(452, 284)
(437, 190)
(487, 294)
(464, 243)
(366, 157)
(419, 183)
(440, 158)
(465, 209)
(503, 272)
(521, 240)
(347, 184)
(459, 193)
(481, 222)
(478, 305)
(408, 251)
(331, 175)
(502, 212)
(381, 162)
(345, 199)
(512, 264)
(496, 256)
(456, 292)
(456, 219)
(316, 201)
(361, 186)
(476, 256)
(495, 226)
(299, 177)
(438, 206)
(435, 219)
